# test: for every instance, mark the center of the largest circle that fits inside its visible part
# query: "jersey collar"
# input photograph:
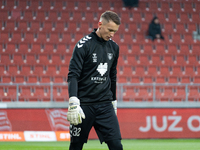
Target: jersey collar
(97, 37)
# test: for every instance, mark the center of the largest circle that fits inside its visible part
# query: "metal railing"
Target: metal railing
(27, 91)
(157, 91)
(128, 95)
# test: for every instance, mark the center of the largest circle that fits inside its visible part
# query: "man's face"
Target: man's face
(107, 29)
(156, 21)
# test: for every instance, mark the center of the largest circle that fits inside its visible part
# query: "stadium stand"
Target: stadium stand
(37, 39)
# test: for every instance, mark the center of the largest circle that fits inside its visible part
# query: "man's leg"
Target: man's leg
(107, 126)
(79, 133)
(76, 146)
(115, 145)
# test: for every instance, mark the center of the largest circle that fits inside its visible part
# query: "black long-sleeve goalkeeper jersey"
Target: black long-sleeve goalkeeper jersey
(92, 70)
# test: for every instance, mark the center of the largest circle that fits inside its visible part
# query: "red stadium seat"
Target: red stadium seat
(64, 70)
(59, 79)
(155, 60)
(168, 94)
(33, 79)
(164, 71)
(8, 48)
(51, 70)
(148, 79)
(46, 79)
(26, 70)
(6, 59)
(140, 70)
(124, 60)
(39, 70)
(195, 17)
(60, 93)
(127, 71)
(13, 70)
(18, 59)
(8, 94)
(42, 93)
(128, 94)
(196, 79)
(192, 60)
(137, 94)
(19, 79)
(127, 38)
(152, 70)
(193, 94)
(6, 79)
(144, 60)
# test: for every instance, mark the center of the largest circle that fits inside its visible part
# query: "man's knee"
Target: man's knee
(76, 146)
(115, 145)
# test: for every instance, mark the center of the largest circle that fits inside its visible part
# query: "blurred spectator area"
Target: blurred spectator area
(37, 38)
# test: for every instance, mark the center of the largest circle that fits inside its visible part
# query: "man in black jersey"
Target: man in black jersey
(92, 86)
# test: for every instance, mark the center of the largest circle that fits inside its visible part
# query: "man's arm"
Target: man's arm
(75, 68)
(72, 87)
(113, 77)
(75, 112)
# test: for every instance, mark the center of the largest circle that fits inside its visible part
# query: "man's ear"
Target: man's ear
(99, 25)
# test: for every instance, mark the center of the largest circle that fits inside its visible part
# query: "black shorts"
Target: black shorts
(104, 120)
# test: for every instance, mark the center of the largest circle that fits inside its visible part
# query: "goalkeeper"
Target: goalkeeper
(92, 86)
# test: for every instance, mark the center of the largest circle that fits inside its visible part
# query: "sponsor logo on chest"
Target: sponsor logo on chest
(94, 57)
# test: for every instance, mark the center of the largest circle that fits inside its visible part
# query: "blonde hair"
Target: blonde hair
(111, 16)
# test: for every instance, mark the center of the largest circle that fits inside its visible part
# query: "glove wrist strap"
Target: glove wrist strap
(74, 101)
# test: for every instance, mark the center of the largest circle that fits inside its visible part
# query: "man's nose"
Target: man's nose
(112, 34)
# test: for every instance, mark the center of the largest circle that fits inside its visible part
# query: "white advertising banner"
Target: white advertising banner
(40, 136)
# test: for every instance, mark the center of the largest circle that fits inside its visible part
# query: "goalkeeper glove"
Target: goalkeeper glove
(75, 112)
(115, 106)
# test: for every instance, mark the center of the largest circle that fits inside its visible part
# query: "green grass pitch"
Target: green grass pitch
(147, 144)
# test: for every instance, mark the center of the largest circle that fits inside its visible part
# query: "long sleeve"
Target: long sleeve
(113, 76)
(73, 87)
(75, 67)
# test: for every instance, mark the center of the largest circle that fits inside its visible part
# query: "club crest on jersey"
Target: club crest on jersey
(94, 57)
(102, 68)
(110, 56)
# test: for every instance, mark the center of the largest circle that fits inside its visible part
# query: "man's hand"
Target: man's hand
(158, 36)
(75, 112)
(115, 106)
